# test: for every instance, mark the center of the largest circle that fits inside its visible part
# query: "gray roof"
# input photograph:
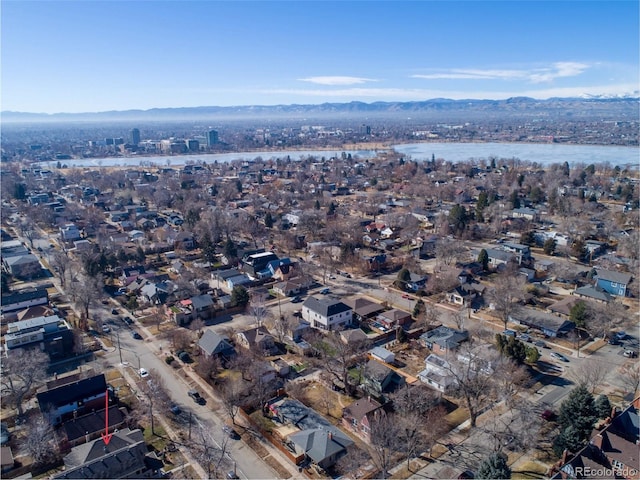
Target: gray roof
(616, 277)
(542, 320)
(212, 343)
(500, 254)
(320, 444)
(201, 301)
(326, 307)
(593, 292)
(445, 337)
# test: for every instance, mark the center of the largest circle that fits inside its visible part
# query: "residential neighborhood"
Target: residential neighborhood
(350, 317)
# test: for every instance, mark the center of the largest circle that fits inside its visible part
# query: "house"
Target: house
(379, 379)
(126, 456)
(443, 339)
(364, 309)
(79, 395)
(416, 282)
(612, 450)
(22, 266)
(51, 334)
(326, 313)
(258, 339)
(615, 283)
(546, 323)
(522, 252)
(199, 306)
(83, 428)
(393, 318)
(287, 289)
(526, 213)
(184, 241)
(353, 336)
(499, 257)
(466, 295)
(593, 293)
(212, 344)
(359, 416)
(129, 274)
(281, 367)
(436, 373)
(323, 447)
(12, 302)
(69, 233)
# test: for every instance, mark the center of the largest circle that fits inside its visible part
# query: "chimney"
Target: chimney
(330, 435)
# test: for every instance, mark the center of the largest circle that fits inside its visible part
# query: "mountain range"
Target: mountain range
(439, 109)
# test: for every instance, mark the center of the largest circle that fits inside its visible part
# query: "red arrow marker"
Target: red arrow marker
(106, 436)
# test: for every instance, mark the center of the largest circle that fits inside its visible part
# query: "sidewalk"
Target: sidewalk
(216, 404)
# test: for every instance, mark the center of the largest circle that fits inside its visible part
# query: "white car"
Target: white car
(143, 373)
(106, 329)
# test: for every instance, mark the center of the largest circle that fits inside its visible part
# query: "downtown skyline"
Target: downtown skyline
(77, 57)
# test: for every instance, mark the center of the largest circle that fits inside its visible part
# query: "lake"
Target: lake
(543, 154)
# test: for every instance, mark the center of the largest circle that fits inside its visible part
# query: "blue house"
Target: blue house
(614, 283)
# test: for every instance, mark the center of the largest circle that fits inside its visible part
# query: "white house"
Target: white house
(436, 373)
(326, 313)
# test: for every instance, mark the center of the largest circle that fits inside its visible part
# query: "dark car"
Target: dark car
(296, 299)
(184, 356)
(127, 320)
(541, 344)
(136, 335)
(175, 409)
(231, 475)
(197, 397)
(548, 415)
(231, 432)
(114, 312)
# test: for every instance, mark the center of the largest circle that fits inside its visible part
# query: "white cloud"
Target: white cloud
(337, 80)
(533, 75)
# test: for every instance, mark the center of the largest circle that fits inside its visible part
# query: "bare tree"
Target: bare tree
(590, 373)
(85, 292)
(385, 441)
(207, 451)
(507, 293)
(40, 442)
(60, 262)
(630, 375)
(232, 392)
(354, 459)
(156, 392)
(22, 370)
(197, 326)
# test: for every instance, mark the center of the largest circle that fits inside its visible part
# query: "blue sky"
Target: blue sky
(94, 56)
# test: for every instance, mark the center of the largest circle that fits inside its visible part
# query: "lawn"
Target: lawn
(324, 401)
(529, 469)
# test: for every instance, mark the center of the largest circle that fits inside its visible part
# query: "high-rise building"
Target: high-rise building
(135, 136)
(212, 137)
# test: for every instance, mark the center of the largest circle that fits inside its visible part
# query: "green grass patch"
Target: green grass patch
(263, 422)
(159, 440)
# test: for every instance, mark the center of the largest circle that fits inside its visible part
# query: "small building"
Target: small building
(549, 325)
(382, 354)
(323, 447)
(258, 339)
(437, 374)
(394, 318)
(359, 416)
(443, 339)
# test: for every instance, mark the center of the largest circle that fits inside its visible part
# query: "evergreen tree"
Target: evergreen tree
(239, 296)
(579, 411)
(533, 355)
(515, 199)
(494, 467)
(458, 218)
(230, 249)
(603, 406)
(403, 278)
(578, 313)
(418, 308)
(317, 205)
(208, 248)
(483, 259)
(568, 439)
(268, 220)
(549, 246)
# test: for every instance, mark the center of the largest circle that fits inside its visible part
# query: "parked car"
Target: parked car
(4, 433)
(114, 312)
(621, 335)
(325, 291)
(407, 296)
(231, 432)
(127, 320)
(296, 299)
(559, 356)
(106, 329)
(509, 333)
(175, 409)
(630, 353)
(143, 373)
(525, 337)
(199, 399)
(136, 335)
(231, 475)
(541, 344)
(184, 356)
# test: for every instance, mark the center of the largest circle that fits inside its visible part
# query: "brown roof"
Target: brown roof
(361, 408)
(363, 307)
